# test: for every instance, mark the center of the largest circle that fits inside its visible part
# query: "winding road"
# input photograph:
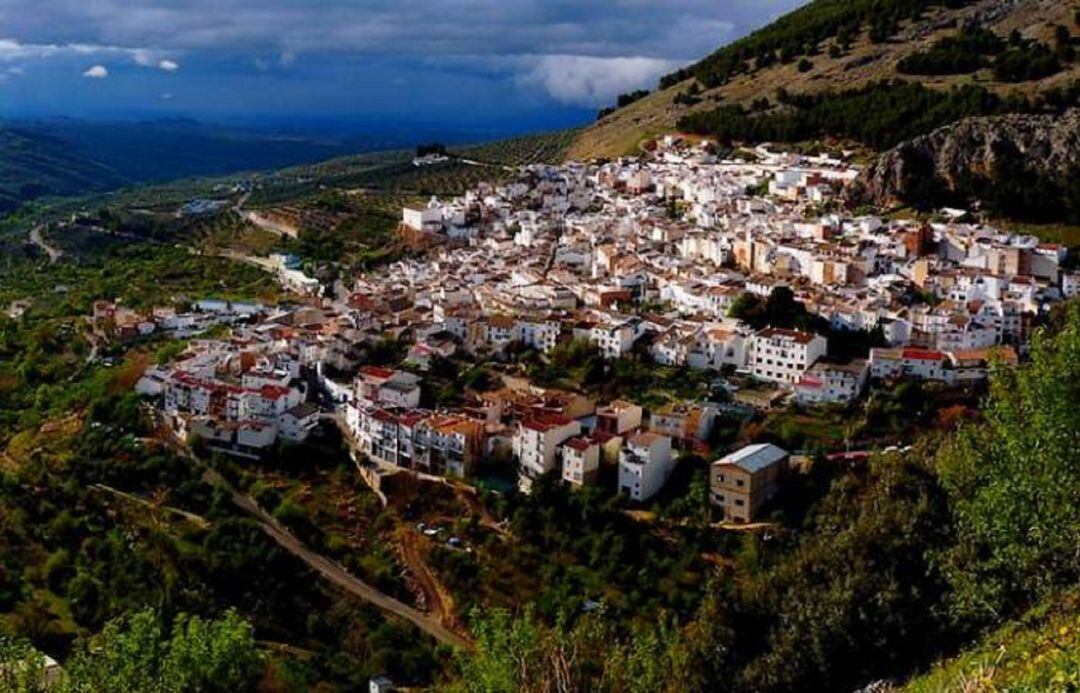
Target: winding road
(334, 572)
(38, 239)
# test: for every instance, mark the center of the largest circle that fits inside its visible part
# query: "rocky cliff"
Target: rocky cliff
(958, 162)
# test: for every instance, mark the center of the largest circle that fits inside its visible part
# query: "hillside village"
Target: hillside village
(656, 258)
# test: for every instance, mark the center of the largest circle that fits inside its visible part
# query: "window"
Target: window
(739, 483)
(720, 478)
(739, 502)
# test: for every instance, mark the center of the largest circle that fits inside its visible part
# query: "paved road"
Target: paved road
(336, 574)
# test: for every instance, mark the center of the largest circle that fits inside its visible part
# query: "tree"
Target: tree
(744, 307)
(1014, 483)
(22, 668)
(136, 653)
(521, 653)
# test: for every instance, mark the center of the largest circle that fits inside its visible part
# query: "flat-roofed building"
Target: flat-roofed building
(783, 356)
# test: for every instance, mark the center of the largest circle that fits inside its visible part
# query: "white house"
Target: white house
(297, 422)
(910, 362)
(826, 383)
(613, 341)
(645, 464)
(580, 460)
(782, 356)
(427, 218)
(536, 444)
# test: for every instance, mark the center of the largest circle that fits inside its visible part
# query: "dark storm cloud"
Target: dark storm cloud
(580, 51)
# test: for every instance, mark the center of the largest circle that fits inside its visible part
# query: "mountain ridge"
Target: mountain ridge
(832, 67)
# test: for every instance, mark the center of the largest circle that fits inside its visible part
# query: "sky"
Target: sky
(511, 64)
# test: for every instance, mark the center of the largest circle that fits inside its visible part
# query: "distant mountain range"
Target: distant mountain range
(64, 157)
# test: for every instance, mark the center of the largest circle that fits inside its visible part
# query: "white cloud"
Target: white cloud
(143, 57)
(167, 96)
(590, 81)
(12, 50)
(287, 58)
(96, 72)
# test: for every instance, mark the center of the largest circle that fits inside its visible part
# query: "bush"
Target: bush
(879, 115)
(1026, 63)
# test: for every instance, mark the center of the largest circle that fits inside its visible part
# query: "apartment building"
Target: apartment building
(783, 356)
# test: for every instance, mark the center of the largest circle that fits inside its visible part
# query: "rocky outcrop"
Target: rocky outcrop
(960, 161)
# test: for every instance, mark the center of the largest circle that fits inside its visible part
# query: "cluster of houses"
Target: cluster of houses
(235, 397)
(117, 323)
(642, 256)
(651, 255)
(540, 431)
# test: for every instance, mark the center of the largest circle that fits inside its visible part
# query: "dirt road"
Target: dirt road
(439, 600)
(38, 239)
(335, 573)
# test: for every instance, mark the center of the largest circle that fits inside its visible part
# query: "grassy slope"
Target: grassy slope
(621, 132)
(1040, 652)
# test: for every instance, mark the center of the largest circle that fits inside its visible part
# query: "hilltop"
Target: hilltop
(996, 47)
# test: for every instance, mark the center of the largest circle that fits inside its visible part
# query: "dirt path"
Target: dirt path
(269, 225)
(197, 520)
(38, 239)
(439, 600)
(335, 573)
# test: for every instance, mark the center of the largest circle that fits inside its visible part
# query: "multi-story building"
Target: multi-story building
(536, 444)
(580, 460)
(782, 356)
(645, 463)
(742, 482)
(618, 418)
(542, 335)
(613, 341)
(448, 445)
(297, 423)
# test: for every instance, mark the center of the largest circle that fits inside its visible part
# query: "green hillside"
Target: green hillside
(1038, 652)
(33, 165)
